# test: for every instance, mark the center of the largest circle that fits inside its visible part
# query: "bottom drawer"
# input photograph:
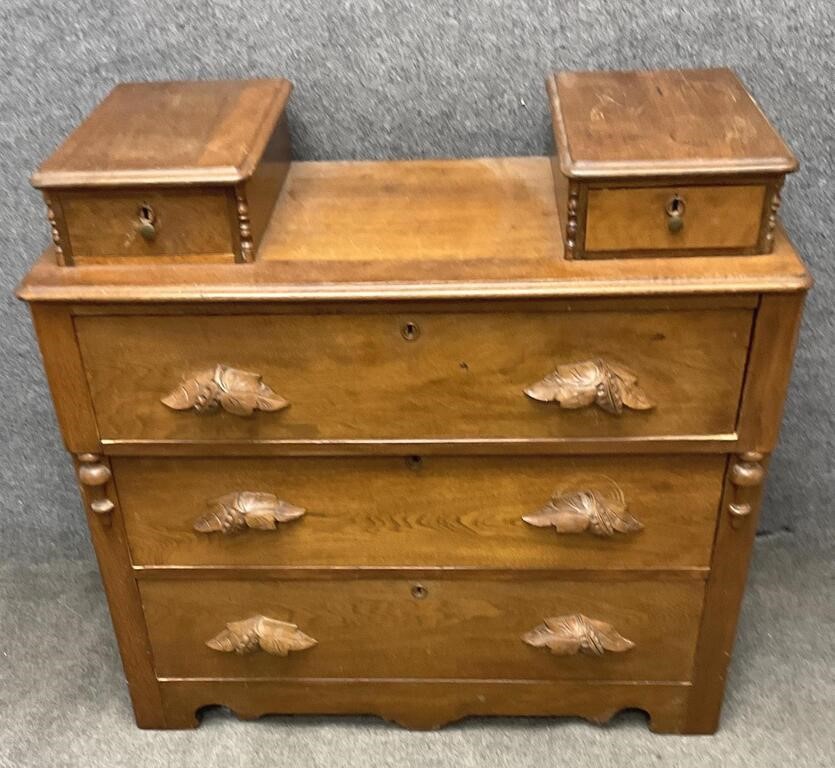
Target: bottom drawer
(451, 628)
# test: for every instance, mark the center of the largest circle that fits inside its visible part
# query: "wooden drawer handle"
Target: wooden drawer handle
(600, 382)
(600, 513)
(575, 633)
(270, 635)
(238, 392)
(246, 509)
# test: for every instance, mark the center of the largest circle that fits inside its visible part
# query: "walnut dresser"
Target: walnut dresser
(422, 439)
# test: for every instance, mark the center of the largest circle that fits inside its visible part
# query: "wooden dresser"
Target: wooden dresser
(422, 439)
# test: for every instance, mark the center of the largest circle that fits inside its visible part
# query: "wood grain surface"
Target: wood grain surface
(464, 376)
(456, 629)
(126, 610)
(501, 238)
(431, 210)
(723, 598)
(777, 328)
(437, 524)
(634, 219)
(433, 511)
(66, 377)
(426, 705)
(665, 122)
(170, 133)
(104, 226)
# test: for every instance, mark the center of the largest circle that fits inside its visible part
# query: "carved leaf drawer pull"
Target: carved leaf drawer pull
(577, 385)
(602, 514)
(270, 635)
(245, 509)
(575, 633)
(238, 392)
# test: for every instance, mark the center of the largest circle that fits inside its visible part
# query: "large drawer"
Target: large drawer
(394, 628)
(422, 375)
(636, 512)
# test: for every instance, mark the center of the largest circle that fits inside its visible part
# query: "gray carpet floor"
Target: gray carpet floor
(63, 701)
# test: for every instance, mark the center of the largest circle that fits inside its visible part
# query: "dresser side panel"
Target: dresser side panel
(776, 328)
(64, 369)
(110, 542)
(71, 396)
(264, 186)
(767, 376)
(723, 598)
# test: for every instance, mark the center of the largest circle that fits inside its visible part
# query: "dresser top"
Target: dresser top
(668, 122)
(210, 132)
(429, 229)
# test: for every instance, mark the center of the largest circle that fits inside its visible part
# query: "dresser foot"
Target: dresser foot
(666, 721)
(178, 719)
(425, 720)
(703, 718)
(153, 721)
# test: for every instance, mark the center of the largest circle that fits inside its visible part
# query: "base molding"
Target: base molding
(426, 705)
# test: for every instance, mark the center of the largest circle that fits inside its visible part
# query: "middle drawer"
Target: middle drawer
(594, 512)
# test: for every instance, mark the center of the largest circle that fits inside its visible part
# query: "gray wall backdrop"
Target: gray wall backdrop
(400, 80)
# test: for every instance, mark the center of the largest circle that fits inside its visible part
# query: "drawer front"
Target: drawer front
(421, 375)
(435, 511)
(177, 223)
(368, 628)
(645, 219)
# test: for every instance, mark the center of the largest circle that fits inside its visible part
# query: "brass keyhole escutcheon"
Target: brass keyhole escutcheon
(675, 213)
(147, 222)
(419, 592)
(410, 331)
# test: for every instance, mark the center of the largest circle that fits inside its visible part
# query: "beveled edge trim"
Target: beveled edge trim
(673, 253)
(696, 169)
(428, 680)
(721, 443)
(587, 171)
(261, 282)
(642, 305)
(186, 176)
(408, 573)
(558, 126)
(213, 175)
(29, 290)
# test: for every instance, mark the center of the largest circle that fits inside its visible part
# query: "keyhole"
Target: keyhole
(146, 214)
(410, 331)
(414, 463)
(147, 227)
(419, 592)
(675, 206)
(675, 214)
